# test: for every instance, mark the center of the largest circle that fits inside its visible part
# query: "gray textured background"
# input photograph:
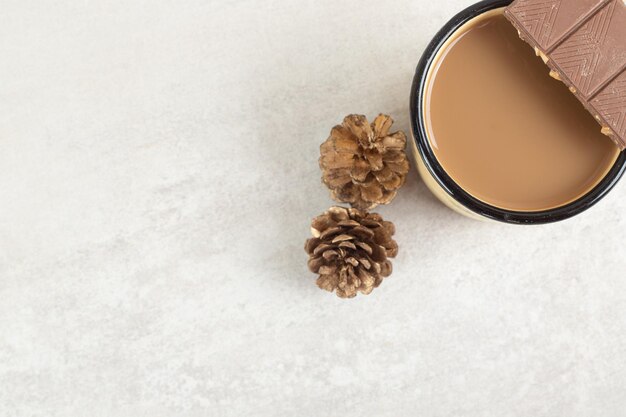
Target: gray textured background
(158, 173)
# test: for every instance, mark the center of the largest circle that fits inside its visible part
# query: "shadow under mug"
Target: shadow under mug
(440, 183)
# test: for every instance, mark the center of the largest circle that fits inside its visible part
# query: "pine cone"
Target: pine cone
(364, 164)
(349, 250)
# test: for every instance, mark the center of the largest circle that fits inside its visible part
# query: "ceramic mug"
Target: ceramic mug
(440, 183)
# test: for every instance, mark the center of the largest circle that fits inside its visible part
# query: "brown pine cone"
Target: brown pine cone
(350, 250)
(364, 164)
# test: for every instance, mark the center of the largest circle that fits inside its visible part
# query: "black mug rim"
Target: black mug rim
(445, 181)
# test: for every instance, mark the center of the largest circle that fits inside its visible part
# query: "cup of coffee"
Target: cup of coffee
(494, 137)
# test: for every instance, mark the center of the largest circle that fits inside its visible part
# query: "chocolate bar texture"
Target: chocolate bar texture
(584, 44)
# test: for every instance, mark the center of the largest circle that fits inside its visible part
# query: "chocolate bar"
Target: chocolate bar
(584, 44)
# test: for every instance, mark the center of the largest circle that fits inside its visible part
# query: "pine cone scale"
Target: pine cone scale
(360, 169)
(315, 264)
(375, 159)
(360, 128)
(347, 245)
(337, 179)
(331, 231)
(382, 124)
(367, 248)
(342, 141)
(373, 192)
(362, 232)
(351, 223)
(310, 244)
(392, 183)
(395, 141)
(349, 193)
(327, 269)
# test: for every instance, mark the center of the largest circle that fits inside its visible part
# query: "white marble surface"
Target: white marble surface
(158, 173)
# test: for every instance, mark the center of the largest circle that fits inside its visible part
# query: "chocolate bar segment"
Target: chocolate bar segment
(584, 44)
